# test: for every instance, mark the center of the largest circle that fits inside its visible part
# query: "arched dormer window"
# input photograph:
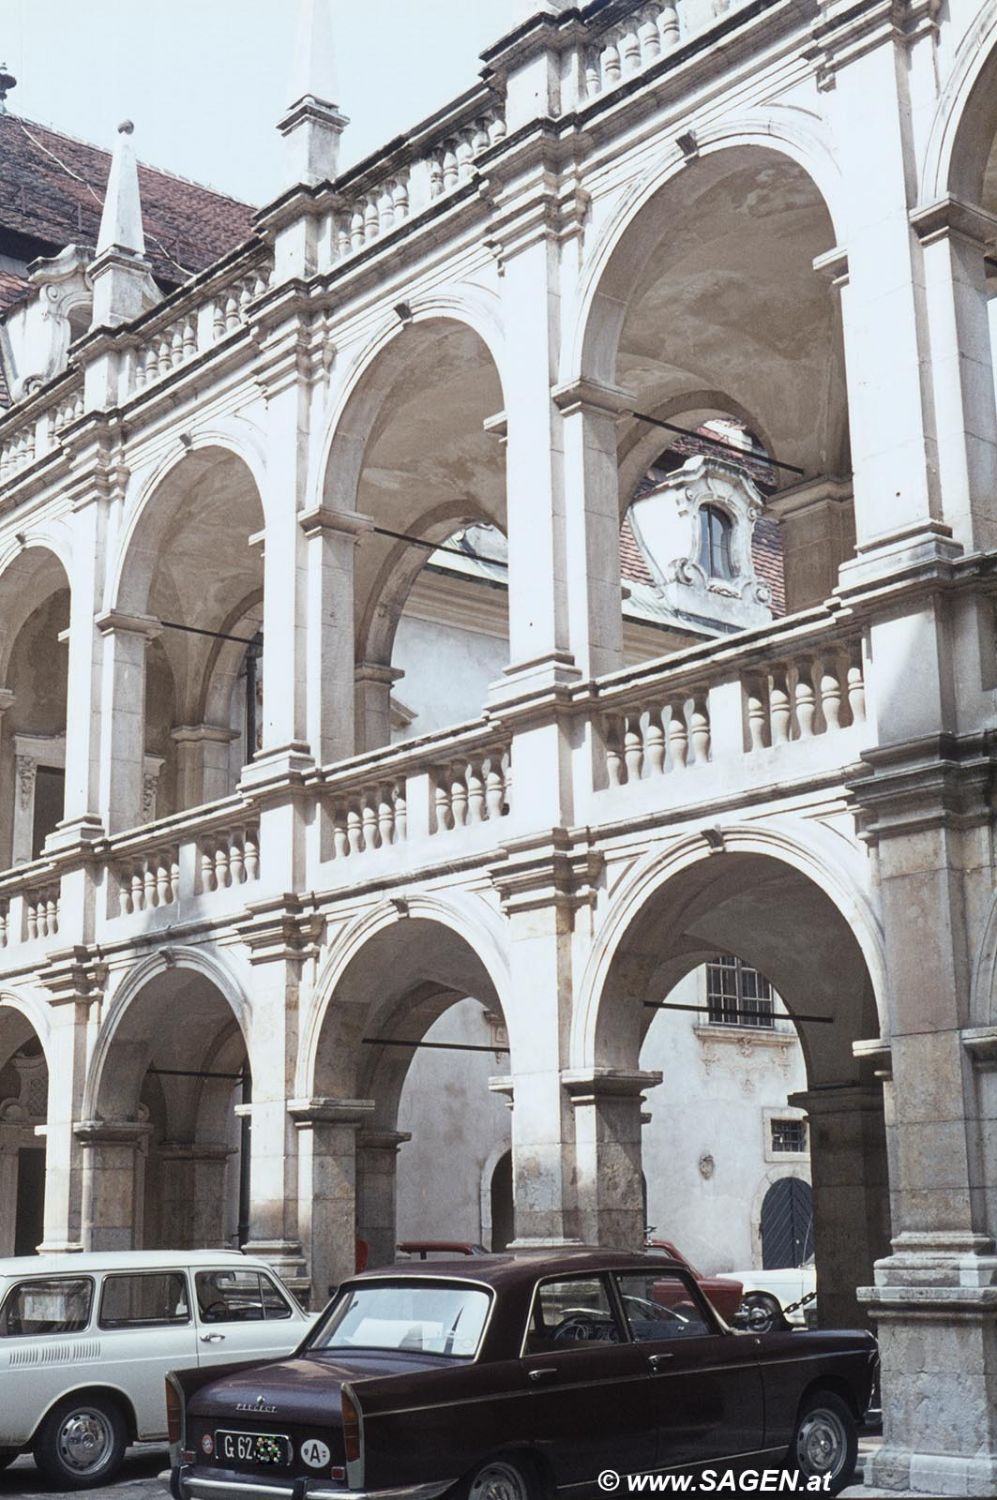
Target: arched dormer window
(715, 528)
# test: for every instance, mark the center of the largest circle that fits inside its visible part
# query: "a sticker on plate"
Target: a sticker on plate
(315, 1454)
(207, 1444)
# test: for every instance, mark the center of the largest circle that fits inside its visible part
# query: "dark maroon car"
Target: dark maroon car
(511, 1377)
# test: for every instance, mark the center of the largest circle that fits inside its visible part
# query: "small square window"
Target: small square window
(789, 1135)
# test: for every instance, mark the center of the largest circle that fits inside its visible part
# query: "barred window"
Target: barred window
(789, 1135)
(737, 995)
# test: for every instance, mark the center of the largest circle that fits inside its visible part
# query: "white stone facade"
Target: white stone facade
(777, 212)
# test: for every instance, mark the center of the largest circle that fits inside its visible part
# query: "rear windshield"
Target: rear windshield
(422, 1318)
(59, 1304)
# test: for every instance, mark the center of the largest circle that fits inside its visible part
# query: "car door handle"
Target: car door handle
(212, 1338)
(658, 1362)
(544, 1372)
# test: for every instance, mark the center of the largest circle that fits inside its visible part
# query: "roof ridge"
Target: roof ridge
(78, 140)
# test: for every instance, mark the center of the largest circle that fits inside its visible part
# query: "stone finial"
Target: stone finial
(122, 282)
(313, 123)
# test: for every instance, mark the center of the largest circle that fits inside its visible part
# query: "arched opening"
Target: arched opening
(23, 1112)
(709, 314)
(501, 1203)
(35, 597)
(203, 669)
(412, 453)
(786, 1227)
(165, 1156)
(735, 1082)
(415, 1036)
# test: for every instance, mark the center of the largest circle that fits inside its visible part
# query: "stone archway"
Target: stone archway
(23, 1111)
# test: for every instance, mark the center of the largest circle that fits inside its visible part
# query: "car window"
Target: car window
(571, 1313)
(58, 1304)
(426, 1317)
(144, 1299)
(660, 1305)
(239, 1296)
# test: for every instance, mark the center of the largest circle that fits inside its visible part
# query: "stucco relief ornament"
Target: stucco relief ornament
(745, 1046)
(707, 1165)
(150, 789)
(26, 769)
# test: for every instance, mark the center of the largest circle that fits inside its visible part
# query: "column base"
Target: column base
(73, 832)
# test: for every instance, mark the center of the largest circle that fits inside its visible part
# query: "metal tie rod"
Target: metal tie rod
(729, 448)
(704, 1010)
(388, 1041)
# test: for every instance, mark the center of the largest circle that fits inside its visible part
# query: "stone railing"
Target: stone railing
(798, 683)
(229, 857)
(4, 920)
(451, 163)
(18, 450)
(471, 789)
(67, 409)
(638, 39)
(41, 912)
(202, 321)
(148, 880)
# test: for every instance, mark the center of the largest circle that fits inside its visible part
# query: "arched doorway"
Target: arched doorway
(23, 1111)
(786, 1226)
(164, 1150)
(502, 1205)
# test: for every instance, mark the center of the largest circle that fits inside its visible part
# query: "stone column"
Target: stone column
(851, 1194)
(74, 988)
(331, 651)
(608, 1105)
(954, 239)
(123, 721)
(327, 1187)
(373, 684)
(817, 525)
(192, 1195)
(202, 762)
(377, 1177)
(112, 1202)
(22, 835)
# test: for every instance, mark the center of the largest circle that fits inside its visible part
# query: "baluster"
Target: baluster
(218, 320)
(507, 779)
(164, 895)
(345, 240)
(385, 818)
(678, 734)
(494, 788)
(830, 695)
(340, 838)
(245, 298)
(32, 919)
(149, 884)
(399, 200)
(465, 156)
(385, 209)
(176, 346)
(444, 812)
(165, 355)
(371, 220)
(669, 24)
(614, 760)
(592, 79)
(251, 854)
(612, 66)
(756, 714)
(357, 228)
(699, 731)
(232, 318)
(779, 706)
(633, 746)
(189, 339)
(371, 840)
(3, 926)
(647, 32)
(479, 137)
(52, 915)
(354, 830)
(856, 693)
(207, 871)
(451, 173)
(124, 893)
(237, 863)
(475, 793)
(435, 177)
(137, 889)
(806, 702)
(458, 794)
(174, 879)
(631, 49)
(222, 878)
(654, 743)
(496, 129)
(401, 814)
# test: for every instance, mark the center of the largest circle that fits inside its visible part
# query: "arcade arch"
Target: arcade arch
(23, 1109)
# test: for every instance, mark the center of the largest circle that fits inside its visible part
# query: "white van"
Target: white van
(86, 1342)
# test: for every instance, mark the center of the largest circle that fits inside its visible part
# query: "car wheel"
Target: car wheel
(761, 1312)
(81, 1442)
(499, 1479)
(826, 1444)
(7, 1457)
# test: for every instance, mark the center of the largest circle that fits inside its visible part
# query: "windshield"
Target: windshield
(424, 1318)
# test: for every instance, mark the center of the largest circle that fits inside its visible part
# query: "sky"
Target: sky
(206, 80)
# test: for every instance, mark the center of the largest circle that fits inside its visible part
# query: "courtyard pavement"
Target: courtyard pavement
(136, 1481)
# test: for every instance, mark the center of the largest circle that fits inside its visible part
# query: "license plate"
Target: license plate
(267, 1448)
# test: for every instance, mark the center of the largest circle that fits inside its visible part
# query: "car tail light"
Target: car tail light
(351, 1429)
(174, 1412)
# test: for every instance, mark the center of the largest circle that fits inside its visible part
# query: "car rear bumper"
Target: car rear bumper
(187, 1483)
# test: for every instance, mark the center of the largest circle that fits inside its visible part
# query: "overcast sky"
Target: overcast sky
(206, 80)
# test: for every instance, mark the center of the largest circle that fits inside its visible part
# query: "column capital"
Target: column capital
(199, 734)
(7, 700)
(307, 1113)
(112, 1132)
(382, 1140)
(592, 398)
(838, 1098)
(378, 672)
(346, 522)
(586, 1085)
(951, 216)
(113, 621)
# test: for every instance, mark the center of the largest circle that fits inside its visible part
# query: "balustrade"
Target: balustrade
(803, 697)
(17, 451)
(150, 880)
(230, 308)
(452, 162)
(173, 346)
(470, 790)
(671, 733)
(4, 922)
(368, 818)
(632, 44)
(229, 857)
(69, 409)
(41, 912)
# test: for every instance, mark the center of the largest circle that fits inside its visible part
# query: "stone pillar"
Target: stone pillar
(817, 526)
(112, 1198)
(327, 1187)
(202, 763)
(22, 833)
(954, 239)
(851, 1194)
(377, 1180)
(74, 988)
(608, 1105)
(123, 727)
(192, 1195)
(373, 684)
(331, 652)
(87, 708)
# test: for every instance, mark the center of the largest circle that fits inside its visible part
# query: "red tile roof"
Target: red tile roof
(52, 193)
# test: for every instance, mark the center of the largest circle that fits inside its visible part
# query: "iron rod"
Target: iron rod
(418, 541)
(195, 1073)
(701, 437)
(385, 1041)
(704, 1010)
(217, 635)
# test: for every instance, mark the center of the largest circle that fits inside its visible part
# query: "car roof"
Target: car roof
(119, 1260)
(518, 1267)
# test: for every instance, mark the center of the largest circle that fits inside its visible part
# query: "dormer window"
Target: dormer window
(715, 528)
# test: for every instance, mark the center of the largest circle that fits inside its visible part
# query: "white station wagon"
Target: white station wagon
(88, 1339)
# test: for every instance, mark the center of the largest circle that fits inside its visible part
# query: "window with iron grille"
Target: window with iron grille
(737, 995)
(789, 1135)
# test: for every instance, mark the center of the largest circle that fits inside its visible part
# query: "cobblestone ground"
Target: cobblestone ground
(136, 1481)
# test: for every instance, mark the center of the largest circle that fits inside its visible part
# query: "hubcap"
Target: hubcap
(498, 1481)
(822, 1443)
(85, 1440)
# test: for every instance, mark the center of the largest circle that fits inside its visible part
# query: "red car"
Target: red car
(723, 1292)
(422, 1249)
